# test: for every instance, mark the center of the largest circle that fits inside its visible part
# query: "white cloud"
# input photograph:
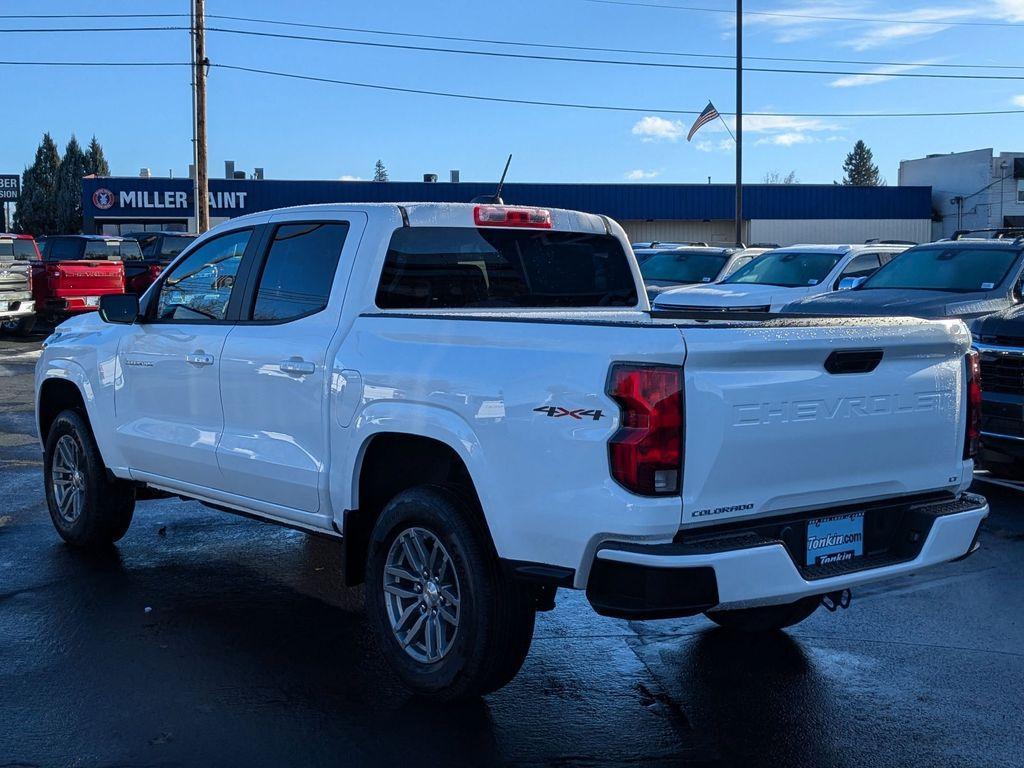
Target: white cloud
(789, 139)
(1008, 10)
(346, 177)
(654, 128)
(879, 76)
(704, 146)
(773, 124)
(640, 174)
(862, 35)
(1018, 100)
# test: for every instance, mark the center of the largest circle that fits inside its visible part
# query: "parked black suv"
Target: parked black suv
(999, 339)
(966, 277)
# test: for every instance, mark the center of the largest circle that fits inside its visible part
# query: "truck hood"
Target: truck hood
(893, 301)
(728, 295)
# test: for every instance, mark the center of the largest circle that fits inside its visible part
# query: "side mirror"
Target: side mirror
(119, 308)
(849, 283)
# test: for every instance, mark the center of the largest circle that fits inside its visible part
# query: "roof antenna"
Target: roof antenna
(495, 199)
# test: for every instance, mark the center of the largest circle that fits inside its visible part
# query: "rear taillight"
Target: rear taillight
(646, 452)
(504, 216)
(973, 433)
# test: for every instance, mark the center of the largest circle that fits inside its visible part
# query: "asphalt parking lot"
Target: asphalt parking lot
(210, 639)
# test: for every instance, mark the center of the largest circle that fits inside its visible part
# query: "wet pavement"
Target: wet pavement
(209, 639)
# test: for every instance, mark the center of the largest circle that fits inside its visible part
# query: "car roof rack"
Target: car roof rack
(998, 233)
(882, 241)
(764, 245)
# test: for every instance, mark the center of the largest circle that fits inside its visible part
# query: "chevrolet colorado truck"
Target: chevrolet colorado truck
(17, 307)
(478, 404)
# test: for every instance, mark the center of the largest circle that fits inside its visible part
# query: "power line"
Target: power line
(94, 63)
(613, 62)
(812, 17)
(599, 49)
(602, 107)
(487, 41)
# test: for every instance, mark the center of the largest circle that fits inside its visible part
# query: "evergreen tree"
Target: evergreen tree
(37, 206)
(95, 162)
(859, 169)
(69, 188)
(380, 173)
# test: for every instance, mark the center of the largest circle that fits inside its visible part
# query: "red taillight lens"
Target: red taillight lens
(503, 216)
(646, 452)
(973, 434)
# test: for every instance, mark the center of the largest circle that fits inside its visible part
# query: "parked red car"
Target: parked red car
(76, 270)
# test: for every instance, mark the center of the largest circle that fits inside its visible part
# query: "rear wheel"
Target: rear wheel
(1010, 470)
(446, 617)
(22, 327)
(88, 508)
(767, 618)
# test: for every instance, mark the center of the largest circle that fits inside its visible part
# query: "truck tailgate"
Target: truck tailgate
(85, 278)
(769, 429)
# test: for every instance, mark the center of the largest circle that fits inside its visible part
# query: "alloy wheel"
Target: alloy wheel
(421, 593)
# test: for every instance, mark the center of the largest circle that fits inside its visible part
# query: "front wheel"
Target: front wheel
(446, 617)
(767, 618)
(88, 508)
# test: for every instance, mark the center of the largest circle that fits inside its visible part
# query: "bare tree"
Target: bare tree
(776, 177)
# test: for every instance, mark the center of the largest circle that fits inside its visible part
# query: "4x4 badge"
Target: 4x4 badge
(556, 412)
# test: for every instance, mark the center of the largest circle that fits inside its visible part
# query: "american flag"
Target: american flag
(709, 114)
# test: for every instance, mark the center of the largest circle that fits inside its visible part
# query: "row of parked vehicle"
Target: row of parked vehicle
(59, 276)
(976, 276)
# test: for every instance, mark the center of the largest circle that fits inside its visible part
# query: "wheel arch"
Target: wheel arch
(391, 461)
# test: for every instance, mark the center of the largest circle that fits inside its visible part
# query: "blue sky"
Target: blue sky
(312, 130)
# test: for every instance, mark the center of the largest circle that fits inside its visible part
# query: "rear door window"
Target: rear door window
(25, 250)
(462, 267)
(299, 270)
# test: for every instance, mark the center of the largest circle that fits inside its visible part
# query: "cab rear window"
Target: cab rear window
(462, 267)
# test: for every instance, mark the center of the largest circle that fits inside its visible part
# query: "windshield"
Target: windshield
(790, 269)
(454, 267)
(945, 269)
(683, 266)
(173, 245)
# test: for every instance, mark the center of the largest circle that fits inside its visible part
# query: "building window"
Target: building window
(1020, 190)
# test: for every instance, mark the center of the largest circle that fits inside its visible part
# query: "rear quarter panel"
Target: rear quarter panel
(484, 387)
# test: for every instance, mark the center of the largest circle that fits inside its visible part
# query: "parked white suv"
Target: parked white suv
(782, 276)
(476, 402)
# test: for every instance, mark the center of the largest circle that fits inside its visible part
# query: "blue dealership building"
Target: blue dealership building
(773, 213)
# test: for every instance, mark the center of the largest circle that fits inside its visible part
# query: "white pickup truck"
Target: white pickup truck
(478, 403)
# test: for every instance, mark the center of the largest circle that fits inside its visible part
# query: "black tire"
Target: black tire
(105, 508)
(21, 327)
(1010, 470)
(495, 613)
(768, 618)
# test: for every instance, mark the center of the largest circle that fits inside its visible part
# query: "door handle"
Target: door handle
(199, 359)
(297, 367)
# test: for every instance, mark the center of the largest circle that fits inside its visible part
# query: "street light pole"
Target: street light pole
(739, 122)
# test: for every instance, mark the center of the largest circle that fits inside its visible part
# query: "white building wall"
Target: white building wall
(839, 231)
(1006, 195)
(959, 174)
(715, 231)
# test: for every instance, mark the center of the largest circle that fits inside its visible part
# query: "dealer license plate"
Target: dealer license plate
(92, 301)
(835, 539)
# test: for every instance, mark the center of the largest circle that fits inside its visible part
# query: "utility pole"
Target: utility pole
(199, 65)
(739, 122)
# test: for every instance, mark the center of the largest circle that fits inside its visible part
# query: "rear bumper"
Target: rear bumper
(740, 569)
(16, 309)
(72, 304)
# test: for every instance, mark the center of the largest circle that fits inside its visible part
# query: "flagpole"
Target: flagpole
(739, 122)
